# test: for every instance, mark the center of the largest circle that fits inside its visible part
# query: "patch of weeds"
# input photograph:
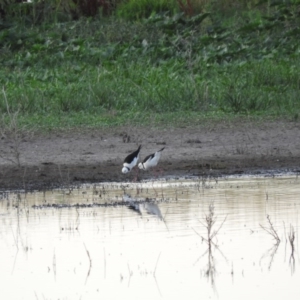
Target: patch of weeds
(271, 230)
(10, 130)
(209, 222)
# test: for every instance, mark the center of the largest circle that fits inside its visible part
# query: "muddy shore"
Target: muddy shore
(64, 158)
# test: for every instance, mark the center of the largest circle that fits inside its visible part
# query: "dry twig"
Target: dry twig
(11, 130)
(271, 230)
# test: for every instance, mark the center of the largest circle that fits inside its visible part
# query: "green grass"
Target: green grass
(139, 86)
(167, 68)
(144, 119)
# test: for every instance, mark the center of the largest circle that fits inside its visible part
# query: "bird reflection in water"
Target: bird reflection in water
(142, 206)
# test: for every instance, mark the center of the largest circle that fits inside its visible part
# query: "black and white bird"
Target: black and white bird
(151, 160)
(131, 161)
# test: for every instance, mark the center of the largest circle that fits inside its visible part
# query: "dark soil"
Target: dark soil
(64, 158)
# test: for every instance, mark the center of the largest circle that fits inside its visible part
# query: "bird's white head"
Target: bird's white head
(141, 166)
(125, 170)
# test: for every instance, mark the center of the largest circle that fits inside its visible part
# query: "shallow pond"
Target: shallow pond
(174, 239)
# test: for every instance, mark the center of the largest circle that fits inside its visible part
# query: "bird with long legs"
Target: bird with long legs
(131, 161)
(151, 160)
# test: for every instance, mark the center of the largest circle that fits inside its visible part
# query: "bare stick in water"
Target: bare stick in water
(271, 230)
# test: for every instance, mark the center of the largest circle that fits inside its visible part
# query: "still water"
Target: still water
(199, 239)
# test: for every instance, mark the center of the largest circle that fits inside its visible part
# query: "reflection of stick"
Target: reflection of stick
(164, 217)
(154, 189)
(77, 219)
(130, 272)
(284, 231)
(210, 221)
(156, 264)
(211, 270)
(88, 254)
(104, 263)
(157, 287)
(217, 231)
(12, 271)
(16, 241)
(54, 264)
(291, 240)
(271, 252)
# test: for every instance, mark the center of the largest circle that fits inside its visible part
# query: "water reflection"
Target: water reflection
(273, 233)
(270, 254)
(212, 247)
(174, 239)
(291, 238)
(273, 250)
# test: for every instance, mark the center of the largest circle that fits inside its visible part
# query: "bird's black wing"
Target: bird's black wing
(131, 156)
(149, 157)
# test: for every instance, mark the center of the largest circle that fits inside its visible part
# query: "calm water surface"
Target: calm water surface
(158, 251)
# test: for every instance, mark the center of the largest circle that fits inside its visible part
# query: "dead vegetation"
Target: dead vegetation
(271, 230)
(209, 222)
(13, 133)
(273, 250)
(10, 130)
(290, 237)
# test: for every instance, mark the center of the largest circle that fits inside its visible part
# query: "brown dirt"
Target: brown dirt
(65, 158)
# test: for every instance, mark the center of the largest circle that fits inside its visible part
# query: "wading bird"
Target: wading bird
(131, 160)
(151, 160)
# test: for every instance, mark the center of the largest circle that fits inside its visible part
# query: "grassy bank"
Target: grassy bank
(108, 71)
